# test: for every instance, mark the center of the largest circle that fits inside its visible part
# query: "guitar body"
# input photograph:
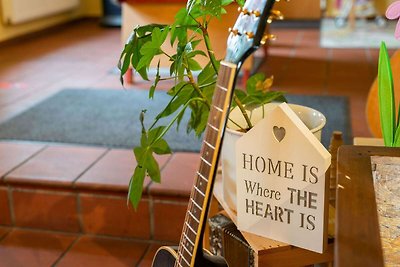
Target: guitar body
(167, 256)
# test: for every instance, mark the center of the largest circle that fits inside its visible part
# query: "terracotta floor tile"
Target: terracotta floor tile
(300, 85)
(111, 216)
(5, 215)
(50, 210)
(177, 176)
(4, 231)
(56, 165)
(168, 220)
(148, 257)
(315, 53)
(303, 67)
(30, 248)
(113, 171)
(12, 154)
(104, 252)
(350, 55)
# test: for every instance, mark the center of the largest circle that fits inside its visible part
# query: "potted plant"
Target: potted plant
(189, 93)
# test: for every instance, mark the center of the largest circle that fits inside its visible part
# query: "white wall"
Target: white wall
(88, 8)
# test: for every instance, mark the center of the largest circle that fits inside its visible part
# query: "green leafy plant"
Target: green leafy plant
(189, 93)
(389, 125)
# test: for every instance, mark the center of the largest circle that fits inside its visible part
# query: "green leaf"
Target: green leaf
(155, 134)
(155, 83)
(161, 147)
(240, 2)
(396, 142)
(386, 96)
(136, 186)
(207, 75)
(182, 94)
(253, 81)
(152, 48)
(153, 170)
(194, 65)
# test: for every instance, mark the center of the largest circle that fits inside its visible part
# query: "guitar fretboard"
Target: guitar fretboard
(202, 188)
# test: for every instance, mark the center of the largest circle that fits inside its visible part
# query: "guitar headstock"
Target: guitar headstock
(248, 32)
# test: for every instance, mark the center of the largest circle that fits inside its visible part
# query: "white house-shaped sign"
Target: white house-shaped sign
(281, 183)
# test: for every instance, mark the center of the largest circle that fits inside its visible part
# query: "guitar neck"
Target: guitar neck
(200, 196)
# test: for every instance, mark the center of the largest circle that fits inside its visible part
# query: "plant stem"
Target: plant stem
(196, 87)
(244, 113)
(210, 52)
(166, 129)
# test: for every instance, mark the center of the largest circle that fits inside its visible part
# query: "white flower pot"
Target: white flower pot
(312, 118)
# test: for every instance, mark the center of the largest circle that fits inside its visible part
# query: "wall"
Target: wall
(90, 8)
(300, 9)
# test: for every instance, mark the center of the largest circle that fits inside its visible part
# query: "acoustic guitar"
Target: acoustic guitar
(245, 37)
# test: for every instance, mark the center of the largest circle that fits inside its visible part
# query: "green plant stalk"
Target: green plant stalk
(196, 87)
(243, 111)
(211, 55)
(176, 117)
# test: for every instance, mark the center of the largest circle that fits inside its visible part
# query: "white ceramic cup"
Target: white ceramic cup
(313, 119)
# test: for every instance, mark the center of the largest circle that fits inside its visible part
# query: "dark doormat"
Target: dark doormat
(110, 118)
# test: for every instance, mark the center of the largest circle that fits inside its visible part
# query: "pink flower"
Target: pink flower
(393, 12)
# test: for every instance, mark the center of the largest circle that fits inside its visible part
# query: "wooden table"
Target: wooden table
(357, 241)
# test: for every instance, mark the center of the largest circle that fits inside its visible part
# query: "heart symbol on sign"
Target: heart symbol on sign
(279, 133)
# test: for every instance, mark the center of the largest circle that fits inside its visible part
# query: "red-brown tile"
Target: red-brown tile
(315, 53)
(168, 229)
(147, 260)
(300, 85)
(56, 165)
(111, 216)
(113, 171)
(350, 55)
(4, 231)
(5, 215)
(34, 249)
(12, 154)
(50, 210)
(177, 176)
(105, 252)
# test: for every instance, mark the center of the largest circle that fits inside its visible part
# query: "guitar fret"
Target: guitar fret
(198, 190)
(213, 127)
(183, 257)
(188, 251)
(197, 205)
(223, 88)
(180, 265)
(192, 215)
(188, 239)
(210, 145)
(202, 176)
(188, 225)
(205, 161)
(218, 108)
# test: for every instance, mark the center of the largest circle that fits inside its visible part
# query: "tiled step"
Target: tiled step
(81, 190)
(38, 248)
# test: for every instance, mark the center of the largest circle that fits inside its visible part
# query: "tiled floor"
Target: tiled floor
(65, 205)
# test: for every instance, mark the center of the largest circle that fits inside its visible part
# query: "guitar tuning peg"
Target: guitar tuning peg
(249, 35)
(256, 13)
(267, 37)
(275, 15)
(234, 31)
(244, 11)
